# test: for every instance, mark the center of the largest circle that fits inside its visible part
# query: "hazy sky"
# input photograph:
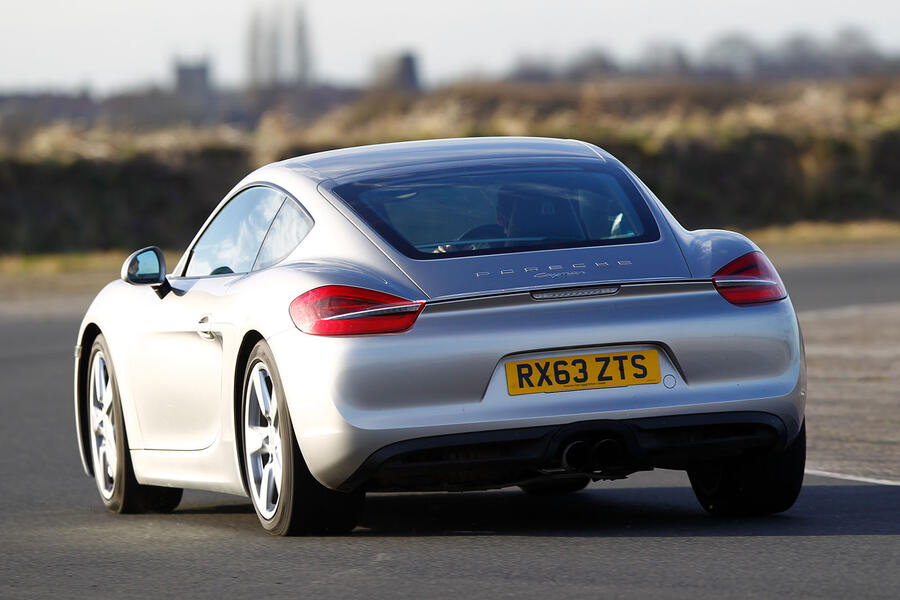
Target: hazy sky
(114, 44)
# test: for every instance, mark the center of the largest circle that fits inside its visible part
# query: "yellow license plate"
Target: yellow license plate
(582, 372)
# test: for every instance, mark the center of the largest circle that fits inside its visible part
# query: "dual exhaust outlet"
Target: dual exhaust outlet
(585, 456)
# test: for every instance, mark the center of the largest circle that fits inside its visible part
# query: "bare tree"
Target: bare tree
(734, 55)
(854, 52)
(801, 55)
(254, 51)
(532, 70)
(592, 64)
(302, 47)
(273, 50)
(664, 58)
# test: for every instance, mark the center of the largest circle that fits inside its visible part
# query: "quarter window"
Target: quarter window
(232, 240)
(288, 229)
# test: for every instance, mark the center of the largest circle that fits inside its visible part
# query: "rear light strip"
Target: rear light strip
(347, 310)
(749, 279)
(374, 312)
(742, 281)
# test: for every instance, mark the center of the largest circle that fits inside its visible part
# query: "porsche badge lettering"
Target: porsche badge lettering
(556, 271)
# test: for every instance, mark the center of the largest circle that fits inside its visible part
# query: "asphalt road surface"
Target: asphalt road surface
(642, 537)
(822, 286)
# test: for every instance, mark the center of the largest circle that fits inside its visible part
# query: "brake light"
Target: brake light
(345, 310)
(749, 279)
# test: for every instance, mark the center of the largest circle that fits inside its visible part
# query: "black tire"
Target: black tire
(128, 496)
(304, 505)
(761, 486)
(556, 487)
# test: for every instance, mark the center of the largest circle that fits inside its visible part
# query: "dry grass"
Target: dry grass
(809, 243)
(62, 141)
(650, 112)
(53, 264)
(805, 233)
(25, 276)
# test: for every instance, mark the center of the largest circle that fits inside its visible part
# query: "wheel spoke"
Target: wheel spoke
(273, 406)
(108, 398)
(109, 434)
(265, 486)
(253, 439)
(97, 420)
(276, 473)
(103, 455)
(111, 456)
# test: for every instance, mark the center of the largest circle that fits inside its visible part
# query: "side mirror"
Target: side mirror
(147, 266)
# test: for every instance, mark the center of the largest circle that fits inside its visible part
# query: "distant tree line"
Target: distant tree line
(732, 56)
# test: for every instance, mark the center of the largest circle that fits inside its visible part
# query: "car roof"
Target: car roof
(336, 164)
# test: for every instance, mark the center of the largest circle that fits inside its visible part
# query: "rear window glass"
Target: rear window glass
(468, 212)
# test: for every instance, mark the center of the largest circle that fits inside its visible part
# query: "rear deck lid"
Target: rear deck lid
(655, 261)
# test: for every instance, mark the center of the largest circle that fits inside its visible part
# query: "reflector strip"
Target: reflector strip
(374, 312)
(574, 293)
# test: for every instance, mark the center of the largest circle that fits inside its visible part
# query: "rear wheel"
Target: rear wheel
(110, 457)
(287, 498)
(761, 486)
(556, 487)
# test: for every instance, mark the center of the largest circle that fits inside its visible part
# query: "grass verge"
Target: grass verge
(24, 276)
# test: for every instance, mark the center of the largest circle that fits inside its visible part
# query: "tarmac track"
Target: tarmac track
(644, 537)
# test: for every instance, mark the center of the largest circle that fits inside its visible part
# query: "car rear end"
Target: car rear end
(588, 350)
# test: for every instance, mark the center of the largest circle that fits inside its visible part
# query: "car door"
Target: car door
(179, 346)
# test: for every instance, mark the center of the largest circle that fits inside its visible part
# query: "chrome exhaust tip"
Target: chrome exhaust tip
(576, 456)
(606, 453)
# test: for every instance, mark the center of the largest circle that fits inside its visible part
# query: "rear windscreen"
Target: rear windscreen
(472, 212)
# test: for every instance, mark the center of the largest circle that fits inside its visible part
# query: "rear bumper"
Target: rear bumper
(350, 398)
(489, 459)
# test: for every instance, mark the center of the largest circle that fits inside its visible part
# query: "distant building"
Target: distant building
(192, 81)
(397, 73)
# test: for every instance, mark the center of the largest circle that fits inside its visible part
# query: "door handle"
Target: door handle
(204, 328)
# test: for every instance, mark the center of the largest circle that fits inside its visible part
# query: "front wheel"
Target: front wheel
(286, 497)
(761, 486)
(110, 457)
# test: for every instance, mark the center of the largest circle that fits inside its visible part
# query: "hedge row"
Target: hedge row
(90, 205)
(751, 181)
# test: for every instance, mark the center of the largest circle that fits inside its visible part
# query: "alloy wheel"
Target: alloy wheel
(262, 440)
(103, 425)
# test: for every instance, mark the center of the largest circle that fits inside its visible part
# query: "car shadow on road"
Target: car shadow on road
(632, 512)
(242, 508)
(821, 510)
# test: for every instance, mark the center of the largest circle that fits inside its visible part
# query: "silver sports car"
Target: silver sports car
(441, 315)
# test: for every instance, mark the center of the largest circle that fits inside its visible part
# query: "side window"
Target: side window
(288, 229)
(232, 240)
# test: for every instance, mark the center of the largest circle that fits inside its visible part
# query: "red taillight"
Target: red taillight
(749, 279)
(345, 310)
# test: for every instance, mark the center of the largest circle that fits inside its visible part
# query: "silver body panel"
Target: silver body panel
(350, 396)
